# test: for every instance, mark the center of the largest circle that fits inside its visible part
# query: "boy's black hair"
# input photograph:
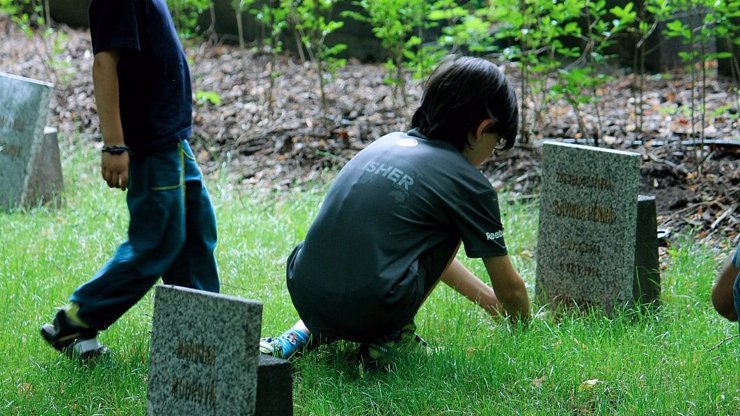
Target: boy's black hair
(460, 94)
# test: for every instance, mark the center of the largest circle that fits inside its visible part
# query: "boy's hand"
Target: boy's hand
(114, 169)
(509, 288)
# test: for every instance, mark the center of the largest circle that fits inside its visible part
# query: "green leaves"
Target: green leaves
(400, 26)
(185, 15)
(204, 97)
(274, 17)
(9, 7)
(677, 28)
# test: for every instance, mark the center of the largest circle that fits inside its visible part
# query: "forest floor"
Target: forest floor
(292, 141)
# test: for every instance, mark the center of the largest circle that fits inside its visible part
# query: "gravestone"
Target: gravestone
(31, 170)
(204, 353)
(587, 226)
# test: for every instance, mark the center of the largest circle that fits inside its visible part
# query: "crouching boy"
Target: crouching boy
(395, 216)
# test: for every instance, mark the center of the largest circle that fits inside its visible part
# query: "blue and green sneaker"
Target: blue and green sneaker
(286, 345)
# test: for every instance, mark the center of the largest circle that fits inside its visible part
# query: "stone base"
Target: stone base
(45, 183)
(646, 285)
(274, 387)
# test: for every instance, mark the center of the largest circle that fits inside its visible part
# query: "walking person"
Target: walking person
(144, 102)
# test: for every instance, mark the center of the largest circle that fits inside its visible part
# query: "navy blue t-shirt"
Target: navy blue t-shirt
(357, 273)
(154, 80)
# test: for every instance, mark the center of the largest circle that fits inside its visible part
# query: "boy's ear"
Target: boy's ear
(482, 127)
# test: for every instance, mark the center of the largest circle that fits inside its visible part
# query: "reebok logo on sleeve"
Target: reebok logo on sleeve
(494, 236)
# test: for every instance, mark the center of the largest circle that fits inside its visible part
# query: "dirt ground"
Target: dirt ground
(292, 141)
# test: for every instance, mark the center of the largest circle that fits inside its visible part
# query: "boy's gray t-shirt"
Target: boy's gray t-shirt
(357, 276)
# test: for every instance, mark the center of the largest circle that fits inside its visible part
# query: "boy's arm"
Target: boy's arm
(114, 167)
(722, 297)
(463, 281)
(509, 287)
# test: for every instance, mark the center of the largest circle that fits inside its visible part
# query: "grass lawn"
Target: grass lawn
(670, 362)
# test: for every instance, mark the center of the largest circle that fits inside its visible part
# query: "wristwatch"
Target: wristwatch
(115, 149)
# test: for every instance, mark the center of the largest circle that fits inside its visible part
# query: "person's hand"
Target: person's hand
(114, 169)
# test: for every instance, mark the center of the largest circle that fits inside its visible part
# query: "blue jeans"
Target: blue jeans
(171, 234)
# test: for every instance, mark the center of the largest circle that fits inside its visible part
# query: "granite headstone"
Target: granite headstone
(587, 226)
(29, 155)
(204, 353)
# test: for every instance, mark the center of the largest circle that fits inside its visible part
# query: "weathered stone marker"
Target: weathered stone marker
(30, 172)
(204, 353)
(587, 226)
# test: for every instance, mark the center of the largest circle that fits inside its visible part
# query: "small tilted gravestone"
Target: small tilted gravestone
(204, 353)
(589, 250)
(31, 172)
(205, 358)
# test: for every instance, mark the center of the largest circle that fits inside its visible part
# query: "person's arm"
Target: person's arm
(722, 297)
(462, 280)
(509, 287)
(113, 167)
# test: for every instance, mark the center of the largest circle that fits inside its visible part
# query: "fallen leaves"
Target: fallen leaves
(25, 389)
(588, 384)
